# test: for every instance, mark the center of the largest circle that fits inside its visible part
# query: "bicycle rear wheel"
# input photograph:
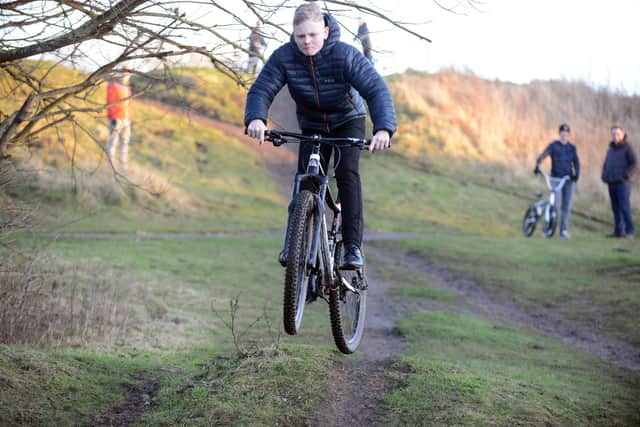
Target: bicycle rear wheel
(347, 305)
(550, 221)
(296, 279)
(529, 222)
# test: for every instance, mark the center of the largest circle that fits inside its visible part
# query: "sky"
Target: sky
(512, 40)
(521, 40)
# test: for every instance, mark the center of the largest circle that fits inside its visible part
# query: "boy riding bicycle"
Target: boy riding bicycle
(327, 80)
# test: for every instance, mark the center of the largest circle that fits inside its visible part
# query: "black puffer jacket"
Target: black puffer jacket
(620, 163)
(326, 87)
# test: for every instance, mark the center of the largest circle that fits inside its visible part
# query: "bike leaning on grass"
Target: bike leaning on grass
(314, 252)
(544, 208)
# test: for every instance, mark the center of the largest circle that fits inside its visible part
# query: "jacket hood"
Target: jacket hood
(331, 41)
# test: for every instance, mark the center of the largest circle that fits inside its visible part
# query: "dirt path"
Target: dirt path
(359, 382)
(133, 406)
(478, 302)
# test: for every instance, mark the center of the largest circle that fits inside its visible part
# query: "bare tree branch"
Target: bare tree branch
(95, 28)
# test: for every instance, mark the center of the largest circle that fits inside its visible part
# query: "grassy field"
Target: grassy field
(174, 294)
(465, 371)
(178, 336)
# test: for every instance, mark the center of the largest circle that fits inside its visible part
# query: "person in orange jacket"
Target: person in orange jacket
(118, 95)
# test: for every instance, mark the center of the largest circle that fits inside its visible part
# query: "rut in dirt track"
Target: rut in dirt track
(358, 382)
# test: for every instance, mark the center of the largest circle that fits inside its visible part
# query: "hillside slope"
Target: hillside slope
(187, 172)
(478, 121)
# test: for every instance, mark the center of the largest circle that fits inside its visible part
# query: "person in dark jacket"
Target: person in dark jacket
(617, 171)
(328, 80)
(564, 162)
(365, 38)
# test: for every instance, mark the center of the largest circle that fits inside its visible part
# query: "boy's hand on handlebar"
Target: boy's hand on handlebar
(380, 141)
(256, 130)
(536, 171)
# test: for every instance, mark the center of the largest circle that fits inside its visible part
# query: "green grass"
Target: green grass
(184, 175)
(582, 279)
(190, 276)
(403, 282)
(459, 370)
(399, 196)
(446, 195)
(61, 387)
(204, 90)
(204, 180)
(279, 390)
(202, 380)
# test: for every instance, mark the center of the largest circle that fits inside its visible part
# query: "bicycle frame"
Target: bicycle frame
(323, 240)
(320, 237)
(551, 200)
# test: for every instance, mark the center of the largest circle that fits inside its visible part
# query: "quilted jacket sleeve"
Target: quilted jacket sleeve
(269, 82)
(366, 80)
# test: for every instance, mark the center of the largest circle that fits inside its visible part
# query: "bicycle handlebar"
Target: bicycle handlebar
(547, 179)
(279, 137)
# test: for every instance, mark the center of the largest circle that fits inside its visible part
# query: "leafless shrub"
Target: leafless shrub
(265, 342)
(14, 215)
(45, 302)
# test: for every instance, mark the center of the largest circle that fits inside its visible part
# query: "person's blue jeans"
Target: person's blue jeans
(564, 202)
(620, 195)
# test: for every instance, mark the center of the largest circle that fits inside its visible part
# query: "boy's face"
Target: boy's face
(310, 36)
(564, 136)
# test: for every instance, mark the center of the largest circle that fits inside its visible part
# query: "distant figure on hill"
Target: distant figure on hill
(617, 171)
(365, 38)
(257, 44)
(564, 162)
(118, 94)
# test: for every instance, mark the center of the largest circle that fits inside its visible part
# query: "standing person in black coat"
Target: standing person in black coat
(328, 80)
(617, 171)
(564, 162)
(365, 38)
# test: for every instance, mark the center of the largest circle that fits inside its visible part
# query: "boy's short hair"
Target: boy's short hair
(307, 12)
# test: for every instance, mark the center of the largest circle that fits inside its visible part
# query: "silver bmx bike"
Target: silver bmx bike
(544, 208)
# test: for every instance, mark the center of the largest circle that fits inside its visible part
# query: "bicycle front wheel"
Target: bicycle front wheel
(550, 221)
(347, 305)
(529, 222)
(296, 280)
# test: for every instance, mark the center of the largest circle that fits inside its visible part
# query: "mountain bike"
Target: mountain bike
(314, 252)
(544, 207)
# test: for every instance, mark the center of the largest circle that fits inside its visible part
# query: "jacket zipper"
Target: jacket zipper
(315, 84)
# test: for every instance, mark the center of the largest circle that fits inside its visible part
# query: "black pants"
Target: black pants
(347, 160)
(620, 195)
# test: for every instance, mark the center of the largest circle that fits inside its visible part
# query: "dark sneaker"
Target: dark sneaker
(282, 258)
(615, 236)
(352, 258)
